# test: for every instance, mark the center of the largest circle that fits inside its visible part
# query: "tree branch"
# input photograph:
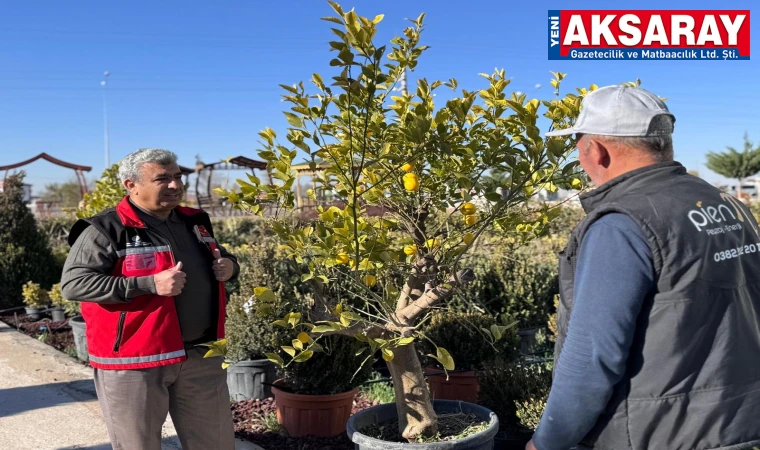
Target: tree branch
(408, 315)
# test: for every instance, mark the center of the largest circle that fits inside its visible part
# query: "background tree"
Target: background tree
(67, 194)
(734, 164)
(24, 252)
(423, 170)
(108, 192)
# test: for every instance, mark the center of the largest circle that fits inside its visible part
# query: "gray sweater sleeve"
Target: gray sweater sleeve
(87, 273)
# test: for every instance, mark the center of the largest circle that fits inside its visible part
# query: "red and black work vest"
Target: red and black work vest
(143, 332)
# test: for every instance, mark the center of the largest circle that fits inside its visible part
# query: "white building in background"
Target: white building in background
(750, 189)
(27, 191)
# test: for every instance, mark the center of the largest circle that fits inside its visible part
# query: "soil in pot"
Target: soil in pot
(460, 417)
(312, 415)
(462, 386)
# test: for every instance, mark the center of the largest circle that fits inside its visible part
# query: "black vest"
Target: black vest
(693, 374)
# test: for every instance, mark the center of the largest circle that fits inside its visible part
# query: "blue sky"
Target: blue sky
(201, 77)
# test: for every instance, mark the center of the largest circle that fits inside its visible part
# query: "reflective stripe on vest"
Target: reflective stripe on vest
(137, 359)
(143, 250)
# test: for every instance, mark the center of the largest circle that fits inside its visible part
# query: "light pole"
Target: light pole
(104, 83)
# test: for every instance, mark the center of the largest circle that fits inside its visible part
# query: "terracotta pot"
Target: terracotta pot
(313, 415)
(462, 386)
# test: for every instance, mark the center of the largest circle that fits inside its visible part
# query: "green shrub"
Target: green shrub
(465, 338)
(379, 391)
(34, 295)
(57, 229)
(503, 388)
(56, 297)
(108, 192)
(755, 208)
(237, 231)
(335, 370)
(513, 284)
(24, 252)
(249, 335)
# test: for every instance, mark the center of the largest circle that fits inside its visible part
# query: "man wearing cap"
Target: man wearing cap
(658, 343)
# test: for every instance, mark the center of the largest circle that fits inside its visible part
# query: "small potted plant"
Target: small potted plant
(315, 397)
(56, 297)
(474, 340)
(517, 394)
(35, 298)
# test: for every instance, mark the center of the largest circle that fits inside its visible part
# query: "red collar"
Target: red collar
(129, 217)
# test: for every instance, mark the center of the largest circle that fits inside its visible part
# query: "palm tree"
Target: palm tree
(734, 164)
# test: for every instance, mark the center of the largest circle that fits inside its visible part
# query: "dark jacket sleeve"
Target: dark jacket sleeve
(87, 273)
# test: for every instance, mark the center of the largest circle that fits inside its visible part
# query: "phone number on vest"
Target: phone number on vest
(736, 252)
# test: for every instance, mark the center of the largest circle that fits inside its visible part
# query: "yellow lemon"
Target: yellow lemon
(468, 237)
(433, 243)
(342, 258)
(369, 280)
(471, 219)
(408, 167)
(576, 183)
(410, 249)
(303, 337)
(468, 209)
(411, 182)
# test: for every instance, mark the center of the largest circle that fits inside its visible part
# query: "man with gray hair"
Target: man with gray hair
(150, 276)
(659, 320)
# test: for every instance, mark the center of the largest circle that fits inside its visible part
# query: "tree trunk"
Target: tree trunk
(415, 410)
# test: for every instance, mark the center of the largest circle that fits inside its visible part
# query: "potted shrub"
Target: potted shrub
(315, 398)
(473, 340)
(249, 335)
(414, 195)
(35, 298)
(56, 298)
(517, 394)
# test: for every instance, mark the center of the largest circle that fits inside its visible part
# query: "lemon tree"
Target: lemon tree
(426, 167)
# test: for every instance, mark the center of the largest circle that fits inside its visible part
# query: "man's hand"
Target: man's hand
(170, 282)
(530, 446)
(223, 267)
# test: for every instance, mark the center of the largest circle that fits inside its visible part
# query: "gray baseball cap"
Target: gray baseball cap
(620, 111)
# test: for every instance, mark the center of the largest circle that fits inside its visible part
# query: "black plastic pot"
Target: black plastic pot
(251, 379)
(78, 327)
(58, 314)
(512, 441)
(383, 413)
(527, 340)
(33, 313)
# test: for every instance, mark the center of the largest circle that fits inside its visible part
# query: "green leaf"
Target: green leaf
(303, 356)
(293, 319)
(378, 18)
(294, 120)
(306, 277)
(445, 358)
(298, 345)
(496, 332)
(387, 354)
(289, 350)
(264, 294)
(405, 341)
(275, 358)
(280, 323)
(322, 329)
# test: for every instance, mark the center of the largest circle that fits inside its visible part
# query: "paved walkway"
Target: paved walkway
(48, 402)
